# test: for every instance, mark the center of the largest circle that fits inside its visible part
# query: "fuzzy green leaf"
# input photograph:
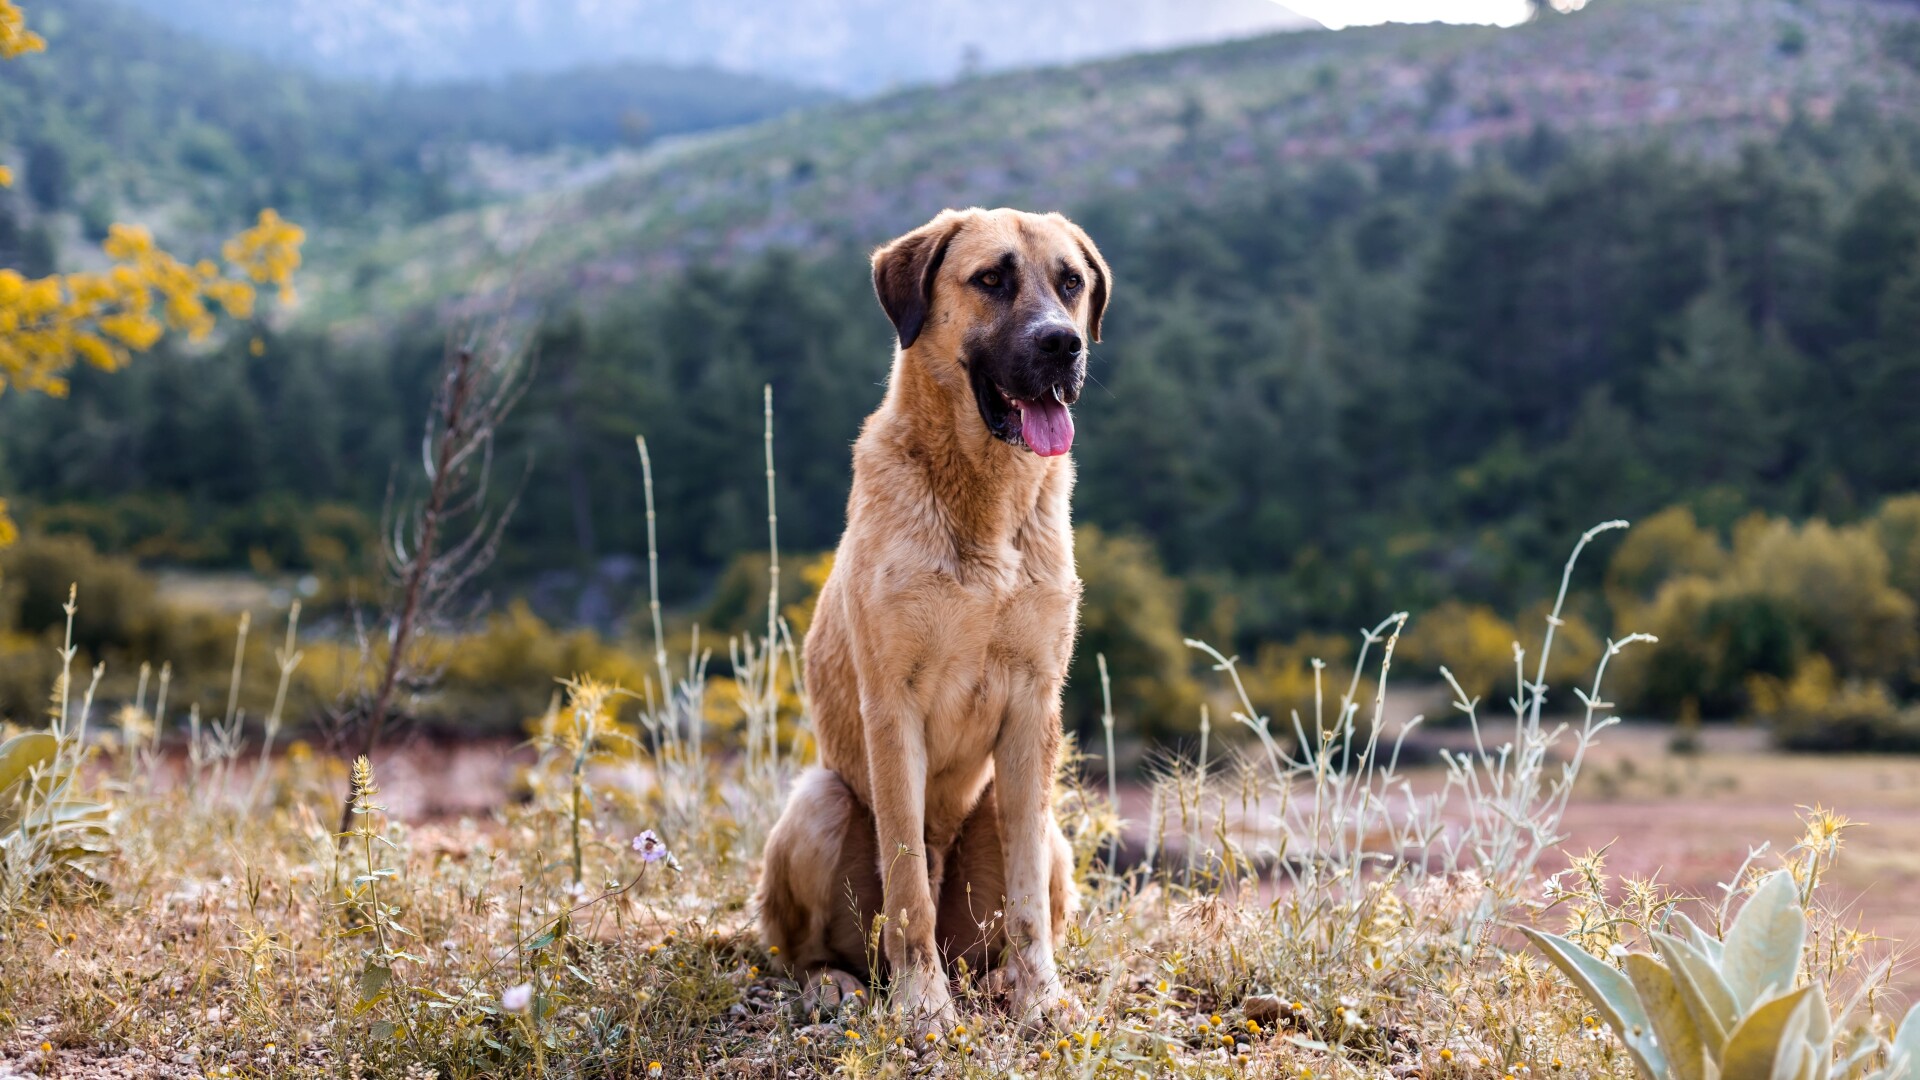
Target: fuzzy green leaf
(22, 753)
(1819, 1021)
(1903, 1058)
(1679, 1038)
(1763, 944)
(1611, 995)
(1689, 931)
(1705, 993)
(1768, 1037)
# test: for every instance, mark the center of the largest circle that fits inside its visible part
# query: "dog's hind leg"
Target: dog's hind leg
(972, 923)
(819, 890)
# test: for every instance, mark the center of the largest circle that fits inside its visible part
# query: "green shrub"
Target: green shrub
(1784, 594)
(1897, 528)
(122, 611)
(1815, 710)
(1667, 545)
(1130, 612)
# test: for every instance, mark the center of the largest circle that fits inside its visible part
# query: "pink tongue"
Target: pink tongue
(1046, 426)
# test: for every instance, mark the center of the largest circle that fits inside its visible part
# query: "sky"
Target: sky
(1335, 14)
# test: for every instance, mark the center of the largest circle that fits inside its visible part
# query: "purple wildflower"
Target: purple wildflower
(650, 846)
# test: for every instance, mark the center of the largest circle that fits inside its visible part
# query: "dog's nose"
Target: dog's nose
(1057, 341)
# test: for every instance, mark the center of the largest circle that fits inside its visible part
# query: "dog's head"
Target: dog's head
(1013, 299)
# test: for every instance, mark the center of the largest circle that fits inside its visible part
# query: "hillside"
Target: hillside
(124, 117)
(857, 45)
(1702, 74)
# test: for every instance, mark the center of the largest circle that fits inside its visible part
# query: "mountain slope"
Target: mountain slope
(1705, 74)
(123, 114)
(846, 44)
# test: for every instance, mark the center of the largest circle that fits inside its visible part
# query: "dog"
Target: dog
(940, 642)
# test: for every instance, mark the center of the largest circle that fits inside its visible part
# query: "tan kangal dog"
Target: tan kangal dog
(941, 640)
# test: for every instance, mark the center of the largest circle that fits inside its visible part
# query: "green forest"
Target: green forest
(122, 111)
(1405, 380)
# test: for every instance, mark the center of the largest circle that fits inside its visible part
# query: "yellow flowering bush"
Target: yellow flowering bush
(15, 38)
(102, 317)
(48, 324)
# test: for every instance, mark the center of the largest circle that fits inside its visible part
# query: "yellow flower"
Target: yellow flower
(15, 38)
(49, 324)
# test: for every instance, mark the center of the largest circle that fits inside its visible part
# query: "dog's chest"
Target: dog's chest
(1001, 658)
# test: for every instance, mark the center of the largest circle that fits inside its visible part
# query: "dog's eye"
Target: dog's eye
(990, 278)
(1071, 283)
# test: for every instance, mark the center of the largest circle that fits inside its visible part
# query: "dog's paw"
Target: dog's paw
(829, 991)
(1045, 1004)
(922, 999)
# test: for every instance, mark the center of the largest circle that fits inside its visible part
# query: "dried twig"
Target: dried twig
(478, 388)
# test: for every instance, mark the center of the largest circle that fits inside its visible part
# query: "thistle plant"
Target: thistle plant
(1699, 1006)
(571, 740)
(367, 914)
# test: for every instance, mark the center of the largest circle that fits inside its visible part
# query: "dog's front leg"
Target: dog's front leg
(1023, 765)
(897, 767)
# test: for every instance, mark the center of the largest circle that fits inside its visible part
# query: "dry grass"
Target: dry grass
(228, 942)
(1298, 905)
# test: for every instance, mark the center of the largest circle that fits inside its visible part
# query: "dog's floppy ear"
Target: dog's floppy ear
(1102, 285)
(904, 272)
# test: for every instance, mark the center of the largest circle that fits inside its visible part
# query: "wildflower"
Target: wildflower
(650, 846)
(653, 1068)
(853, 1035)
(516, 999)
